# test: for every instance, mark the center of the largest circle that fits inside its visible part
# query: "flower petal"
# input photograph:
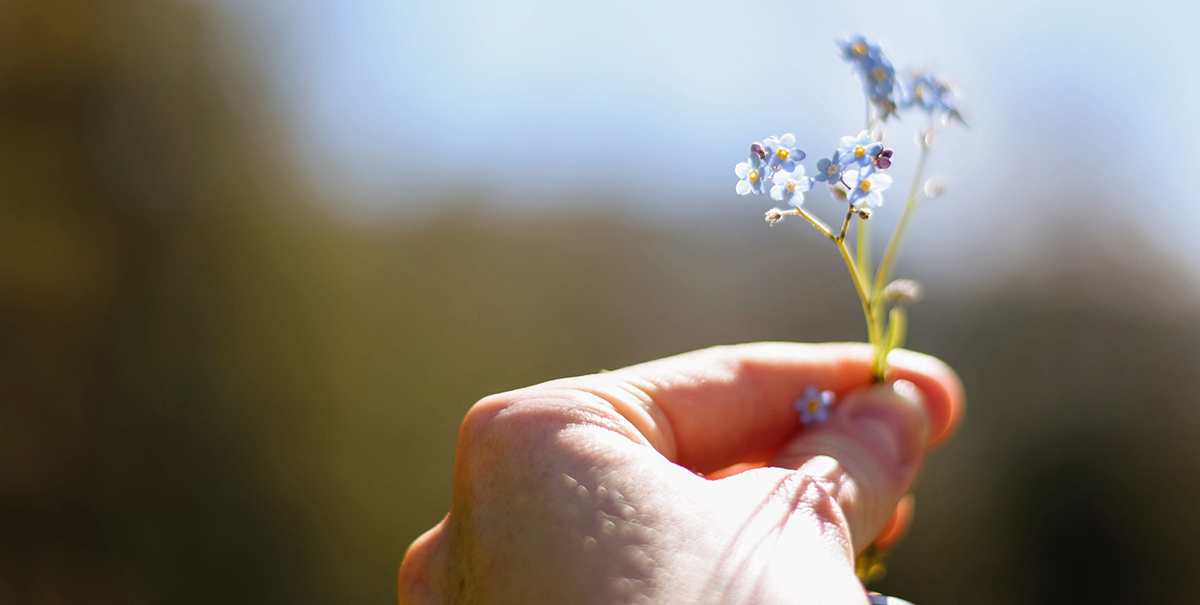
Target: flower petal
(777, 192)
(880, 181)
(741, 170)
(788, 140)
(743, 187)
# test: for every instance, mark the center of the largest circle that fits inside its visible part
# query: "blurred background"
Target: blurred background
(258, 259)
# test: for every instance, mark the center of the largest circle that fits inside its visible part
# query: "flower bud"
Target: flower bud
(934, 187)
(774, 215)
(758, 149)
(904, 292)
(883, 161)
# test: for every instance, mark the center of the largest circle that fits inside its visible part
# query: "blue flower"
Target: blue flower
(858, 151)
(931, 95)
(813, 407)
(866, 187)
(829, 170)
(876, 71)
(790, 186)
(753, 174)
(879, 79)
(782, 153)
(857, 49)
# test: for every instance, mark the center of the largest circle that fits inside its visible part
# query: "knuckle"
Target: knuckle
(819, 499)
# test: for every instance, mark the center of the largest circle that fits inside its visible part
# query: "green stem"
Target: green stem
(846, 224)
(889, 255)
(864, 249)
(860, 285)
(816, 222)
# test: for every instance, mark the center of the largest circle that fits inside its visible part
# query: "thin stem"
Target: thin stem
(859, 284)
(816, 222)
(889, 255)
(864, 248)
(846, 224)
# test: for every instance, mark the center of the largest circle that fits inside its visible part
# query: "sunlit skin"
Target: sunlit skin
(685, 480)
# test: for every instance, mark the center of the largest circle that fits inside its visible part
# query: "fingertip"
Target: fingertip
(943, 392)
(898, 525)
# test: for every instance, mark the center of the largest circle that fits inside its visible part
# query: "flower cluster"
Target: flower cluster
(854, 171)
(888, 93)
(876, 71)
(777, 161)
(855, 165)
(932, 95)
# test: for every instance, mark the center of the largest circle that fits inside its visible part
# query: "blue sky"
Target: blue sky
(396, 106)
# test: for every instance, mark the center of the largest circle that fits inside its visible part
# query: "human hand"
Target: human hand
(585, 490)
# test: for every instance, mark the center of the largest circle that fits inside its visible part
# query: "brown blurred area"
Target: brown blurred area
(214, 390)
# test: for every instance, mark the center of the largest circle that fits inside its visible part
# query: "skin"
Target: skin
(685, 480)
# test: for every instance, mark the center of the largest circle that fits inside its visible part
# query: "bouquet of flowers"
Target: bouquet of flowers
(856, 174)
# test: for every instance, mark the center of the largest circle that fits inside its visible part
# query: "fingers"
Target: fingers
(868, 452)
(713, 408)
(897, 526)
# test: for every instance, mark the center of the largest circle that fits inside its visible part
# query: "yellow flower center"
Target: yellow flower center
(859, 48)
(920, 92)
(833, 169)
(813, 406)
(791, 186)
(753, 175)
(783, 153)
(860, 151)
(865, 185)
(878, 73)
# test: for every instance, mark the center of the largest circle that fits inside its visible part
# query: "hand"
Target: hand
(605, 488)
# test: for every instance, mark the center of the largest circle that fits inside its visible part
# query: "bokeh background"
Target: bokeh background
(258, 259)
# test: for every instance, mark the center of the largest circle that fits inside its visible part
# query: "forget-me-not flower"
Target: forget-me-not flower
(879, 79)
(790, 186)
(857, 49)
(876, 71)
(931, 95)
(866, 187)
(829, 170)
(782, 153)
(754, 175)
(813, 406)
(858, 151)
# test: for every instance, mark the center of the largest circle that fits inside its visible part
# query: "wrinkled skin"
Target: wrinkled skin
(684, 480)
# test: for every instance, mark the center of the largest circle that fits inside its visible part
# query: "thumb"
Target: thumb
(867, 453)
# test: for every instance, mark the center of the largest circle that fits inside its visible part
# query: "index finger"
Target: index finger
(712, 408)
